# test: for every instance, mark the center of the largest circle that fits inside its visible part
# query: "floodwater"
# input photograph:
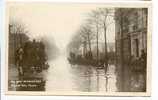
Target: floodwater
(62, 76)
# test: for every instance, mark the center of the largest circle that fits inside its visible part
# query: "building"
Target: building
(130, 42)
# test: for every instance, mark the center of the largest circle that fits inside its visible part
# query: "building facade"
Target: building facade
(131, 44)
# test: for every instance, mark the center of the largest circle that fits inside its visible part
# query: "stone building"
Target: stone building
(130, 42)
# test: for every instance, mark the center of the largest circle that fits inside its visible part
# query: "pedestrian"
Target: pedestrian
(20, 53)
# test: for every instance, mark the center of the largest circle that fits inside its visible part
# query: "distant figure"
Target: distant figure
(19, 58)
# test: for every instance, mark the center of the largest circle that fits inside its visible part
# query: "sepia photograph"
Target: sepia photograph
(78, 49)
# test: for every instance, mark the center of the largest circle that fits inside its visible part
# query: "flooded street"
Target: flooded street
(61, 76)
(77, 48)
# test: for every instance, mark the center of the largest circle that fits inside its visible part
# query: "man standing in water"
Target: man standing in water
(19, 55)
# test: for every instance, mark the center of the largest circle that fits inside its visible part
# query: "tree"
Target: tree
(17, 37)
(87, 35)
(100, 19)
(121, 19)
(94, 21)
(105, 13)
(18, 29)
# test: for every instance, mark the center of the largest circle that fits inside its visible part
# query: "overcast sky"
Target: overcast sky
(56, 21)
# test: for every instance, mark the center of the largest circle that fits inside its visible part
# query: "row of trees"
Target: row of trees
(17, 28)
(89, 32)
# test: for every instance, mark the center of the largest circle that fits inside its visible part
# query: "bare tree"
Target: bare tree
(95, 24)
(94, 21)
(17, 28)
(17, 35)
(105, 13)
(100, 19)
(121, 19)
(87, 35)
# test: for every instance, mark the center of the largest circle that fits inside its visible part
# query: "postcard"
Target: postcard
(78, 48)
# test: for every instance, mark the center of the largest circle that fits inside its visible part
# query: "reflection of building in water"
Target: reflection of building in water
(131, 37)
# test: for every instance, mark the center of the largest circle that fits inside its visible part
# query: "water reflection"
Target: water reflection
(61, 76)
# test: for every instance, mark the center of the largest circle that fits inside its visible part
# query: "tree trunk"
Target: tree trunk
(105, 43)
(121, 49)
(89, 42)
(97, 46)
(84, 48)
